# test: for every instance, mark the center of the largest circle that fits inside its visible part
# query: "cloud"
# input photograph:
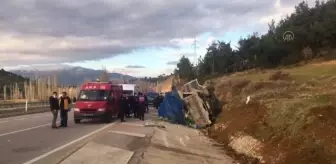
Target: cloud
(126, 71)
(183, 41)
(135, 66)
(282, 8)
(49, 31)
(143, 72)
(172, 62)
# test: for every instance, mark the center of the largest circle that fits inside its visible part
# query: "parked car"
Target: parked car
(151, 97)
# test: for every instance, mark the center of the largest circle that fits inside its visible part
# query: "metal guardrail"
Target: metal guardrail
(14, 106)
(23, 107)
(23, 111)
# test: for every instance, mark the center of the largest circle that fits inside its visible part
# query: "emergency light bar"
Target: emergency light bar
(93, 82)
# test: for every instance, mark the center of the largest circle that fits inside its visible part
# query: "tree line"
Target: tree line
(158, 79)
(314, 32)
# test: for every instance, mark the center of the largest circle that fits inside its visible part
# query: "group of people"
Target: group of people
(62, 105)
(138, 105)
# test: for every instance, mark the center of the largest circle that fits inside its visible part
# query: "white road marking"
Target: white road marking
(128, 133)
(182, 142)
(20, 119)
(3, 122)
(22, 130)
(132, 124)
(68, 144)
(15, 118)
(106, 154)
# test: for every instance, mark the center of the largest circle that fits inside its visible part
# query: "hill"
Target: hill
(276, 109)
(70, 75)
(9, 78)
(290, 118)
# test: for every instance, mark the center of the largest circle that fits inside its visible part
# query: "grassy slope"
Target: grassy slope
(293, 114)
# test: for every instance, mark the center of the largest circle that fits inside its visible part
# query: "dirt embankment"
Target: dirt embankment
(279, 117)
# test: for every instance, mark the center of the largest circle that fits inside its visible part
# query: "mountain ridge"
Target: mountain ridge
(69, 75)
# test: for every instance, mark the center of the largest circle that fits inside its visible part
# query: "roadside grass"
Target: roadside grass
(284, 104)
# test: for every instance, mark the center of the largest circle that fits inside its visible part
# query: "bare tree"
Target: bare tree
(104, 77)
(5, 92)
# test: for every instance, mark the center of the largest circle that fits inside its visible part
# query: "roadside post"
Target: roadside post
(26, 108)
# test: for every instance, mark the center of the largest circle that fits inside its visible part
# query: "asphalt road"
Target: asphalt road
(24, 138)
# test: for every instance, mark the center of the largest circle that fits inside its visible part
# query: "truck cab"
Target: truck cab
(98, 100)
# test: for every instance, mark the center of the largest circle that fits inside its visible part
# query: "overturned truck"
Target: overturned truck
(194, 105)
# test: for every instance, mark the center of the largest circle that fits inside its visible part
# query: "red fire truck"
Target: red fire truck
(98, 100)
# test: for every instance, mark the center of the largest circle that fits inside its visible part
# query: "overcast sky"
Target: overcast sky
(137, 37)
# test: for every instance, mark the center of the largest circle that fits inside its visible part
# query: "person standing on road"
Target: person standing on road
(128, 107)
(142, 107)
(123, 106)
(136, 107)
(54, 107)
(65, 102)
(146, 103)
(132, 104)
(160, 100)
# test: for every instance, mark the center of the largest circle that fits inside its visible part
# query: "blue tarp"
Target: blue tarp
(172, 108)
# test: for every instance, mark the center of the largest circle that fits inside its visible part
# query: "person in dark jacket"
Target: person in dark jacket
(123, 105)
(135, 106)
(146, 104)
(128, 107)
(141, 107)
(132, 104)
(54, 107)
(74, 99)
(157, 101)
(65, 103)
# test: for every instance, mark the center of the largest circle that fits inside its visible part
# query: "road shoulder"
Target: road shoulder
(136, 142)
(180, 144)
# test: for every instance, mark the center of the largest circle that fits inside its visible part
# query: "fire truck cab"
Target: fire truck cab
(98, 100)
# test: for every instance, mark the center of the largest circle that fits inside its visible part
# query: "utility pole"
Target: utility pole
(194, 45)
(195, 53)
